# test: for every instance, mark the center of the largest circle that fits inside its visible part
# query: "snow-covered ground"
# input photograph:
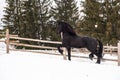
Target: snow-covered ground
(20, 65)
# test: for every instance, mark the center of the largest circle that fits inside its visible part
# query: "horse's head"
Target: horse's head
(59, 26)
(65, 28)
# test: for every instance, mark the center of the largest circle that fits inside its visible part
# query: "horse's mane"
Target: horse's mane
(67, 28)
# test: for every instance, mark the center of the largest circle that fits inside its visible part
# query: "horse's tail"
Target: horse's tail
(100, 48)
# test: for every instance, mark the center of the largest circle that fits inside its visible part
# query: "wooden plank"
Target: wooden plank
(3, 35)
(7, 41)
(13, 35)
(110, 47)
(14, 41)
(110, 50)
(64, 53)
(2, 40)
(28, 39)
(119, 53)
(34, 46)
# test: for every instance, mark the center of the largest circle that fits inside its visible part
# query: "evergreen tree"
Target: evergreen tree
(28, 18)
(117, 17)
(104, 14)
(91, 18)
(65, 10)
(110, 9)
(34, 22)
(9, 18)
(43, 18)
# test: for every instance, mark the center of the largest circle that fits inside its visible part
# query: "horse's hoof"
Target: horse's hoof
(61, 51)
(91, 57)
(98, 62)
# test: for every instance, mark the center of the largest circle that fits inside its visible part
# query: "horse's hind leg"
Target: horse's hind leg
(98, 58)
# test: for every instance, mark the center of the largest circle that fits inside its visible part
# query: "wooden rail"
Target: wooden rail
(110, 50)
(33, 46)
(35, 40)
(119, 53)
(2, 40)
(2, 35)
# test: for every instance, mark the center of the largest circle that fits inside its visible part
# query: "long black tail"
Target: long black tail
(100, 49)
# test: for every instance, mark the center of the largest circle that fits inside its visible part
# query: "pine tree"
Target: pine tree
(27, 26)
(34, 19)
(9, 18)
(12, 17)
(111, 18)
(65, 10)
(104, 13)
(117, 17)
(28, 18)
(91, 18)
(43, 18)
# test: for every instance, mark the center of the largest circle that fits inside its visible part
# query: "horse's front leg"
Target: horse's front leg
(59, 49)
(69, 53)
(91, 56)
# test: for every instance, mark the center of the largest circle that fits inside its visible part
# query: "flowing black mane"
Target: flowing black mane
(67, 28)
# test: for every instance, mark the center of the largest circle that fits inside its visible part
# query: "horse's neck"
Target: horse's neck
(62, 34)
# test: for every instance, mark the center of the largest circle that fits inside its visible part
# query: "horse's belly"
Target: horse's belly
(77, 45)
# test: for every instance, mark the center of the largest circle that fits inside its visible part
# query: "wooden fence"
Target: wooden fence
(16, 43)
(107, 49)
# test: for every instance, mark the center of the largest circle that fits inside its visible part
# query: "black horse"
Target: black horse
(71, 40)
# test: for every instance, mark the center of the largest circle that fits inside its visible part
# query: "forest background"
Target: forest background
(34, 18)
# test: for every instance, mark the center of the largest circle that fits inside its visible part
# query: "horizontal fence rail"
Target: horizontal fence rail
(36, 40)
(33, 46)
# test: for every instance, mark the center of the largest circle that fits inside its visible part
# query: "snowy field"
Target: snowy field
(33, 66)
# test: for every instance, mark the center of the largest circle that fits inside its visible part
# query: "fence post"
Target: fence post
(64, 54)
(119, 53)
(7, 41)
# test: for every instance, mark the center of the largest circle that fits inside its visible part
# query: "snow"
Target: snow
(18, 65)
(2, 45)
